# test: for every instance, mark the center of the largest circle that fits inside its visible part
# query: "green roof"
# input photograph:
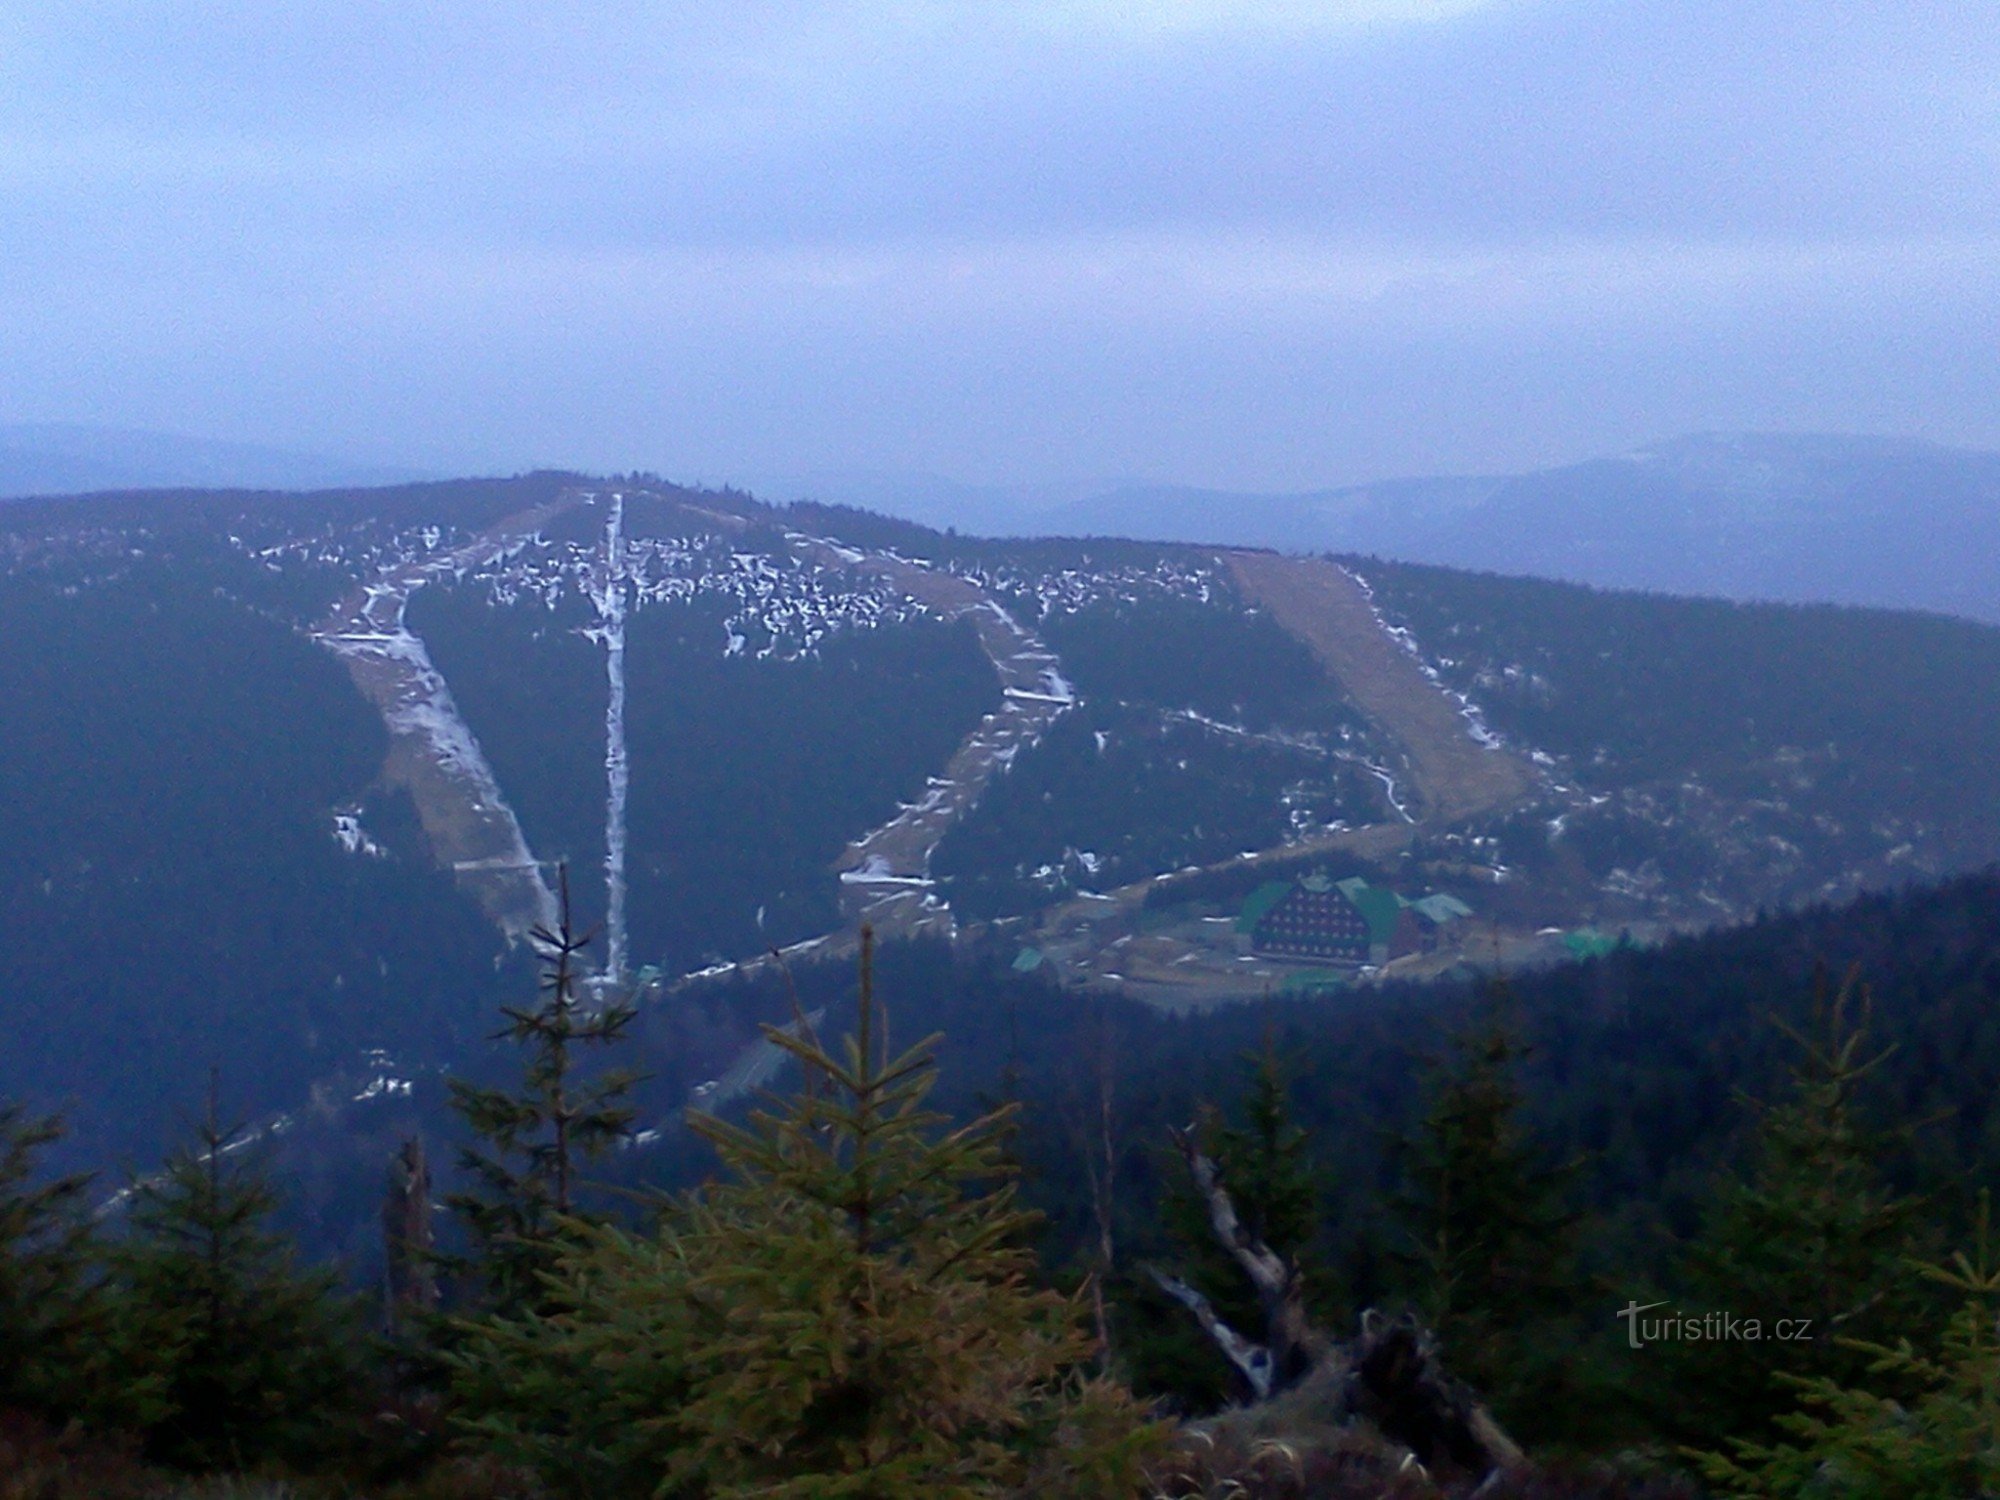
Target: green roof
(1266, 896)
(1588, 942)
(1442, 909)
(1312, 981)
(1028, 960)
(1378, 907)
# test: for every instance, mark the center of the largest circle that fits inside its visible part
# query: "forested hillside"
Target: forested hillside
(1205, 730)
(174, 758)
(1634, 1062)
(1641, 1083)
(1752, 754)
(1650, 1111)
(1703, 760)
(219, 855)
(749, 775)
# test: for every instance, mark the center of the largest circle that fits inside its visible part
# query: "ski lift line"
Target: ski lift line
(617, 766)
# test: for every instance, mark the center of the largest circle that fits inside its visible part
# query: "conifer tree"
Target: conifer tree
(526, 1175)
(849, 1314)
(227, 1353)
(1488, 1253)
(1265, 1163)
(1937, 1439)
(46, 1304)
(1808, 1233)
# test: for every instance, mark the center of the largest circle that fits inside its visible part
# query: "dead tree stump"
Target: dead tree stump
(1389, 1377)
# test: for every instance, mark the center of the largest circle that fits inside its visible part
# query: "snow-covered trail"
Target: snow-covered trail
(885, 877)
(885, 874)
(617, 767)
(433, 752)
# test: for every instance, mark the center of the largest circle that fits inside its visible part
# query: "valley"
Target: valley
(1094, 759)
(1447, 785)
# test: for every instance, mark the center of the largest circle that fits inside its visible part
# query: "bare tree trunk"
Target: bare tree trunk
(1252, 1361)
(1389, 1376)
(1295, 1345)
(406, 1234)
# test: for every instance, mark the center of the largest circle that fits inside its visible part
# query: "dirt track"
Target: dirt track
(432, 751)
(1453, 775)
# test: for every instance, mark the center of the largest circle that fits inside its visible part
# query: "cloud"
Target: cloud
(885, 227)
(1153, 282)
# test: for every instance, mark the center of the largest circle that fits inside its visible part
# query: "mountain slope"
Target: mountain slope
(209, 833)
(1456, 776)
(1739, 754)
(1843, 520)
(197, 867)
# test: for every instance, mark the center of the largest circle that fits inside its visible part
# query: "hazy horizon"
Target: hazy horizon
(150, 458)
(1270, 246)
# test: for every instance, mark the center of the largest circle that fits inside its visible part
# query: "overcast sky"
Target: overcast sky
(1255, 243)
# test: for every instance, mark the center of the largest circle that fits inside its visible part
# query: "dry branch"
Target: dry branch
(1252, 1361)
(1389, 1377)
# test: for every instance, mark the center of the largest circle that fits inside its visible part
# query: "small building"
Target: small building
(1309, 983)
(1344, 921)
(1423, 924)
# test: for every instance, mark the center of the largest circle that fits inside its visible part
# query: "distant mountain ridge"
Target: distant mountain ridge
(66, 458)
(1891, 522)
(1813, 519)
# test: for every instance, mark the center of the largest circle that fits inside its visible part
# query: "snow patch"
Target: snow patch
(351, 836)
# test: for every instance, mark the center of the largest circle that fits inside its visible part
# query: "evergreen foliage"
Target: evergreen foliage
(153, 773)
(1940, 1442)
(1216, 657)
(525, 1176)
(749, 775)
(1488, 1254)
(46, 1302)
(1836, 735)
(1266, 1163)
(1809, 1232)
(848, 1315)
(1153, 770)
(1113, 794)
(222, 1351)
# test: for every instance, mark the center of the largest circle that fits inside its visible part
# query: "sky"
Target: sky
(1276, 245)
